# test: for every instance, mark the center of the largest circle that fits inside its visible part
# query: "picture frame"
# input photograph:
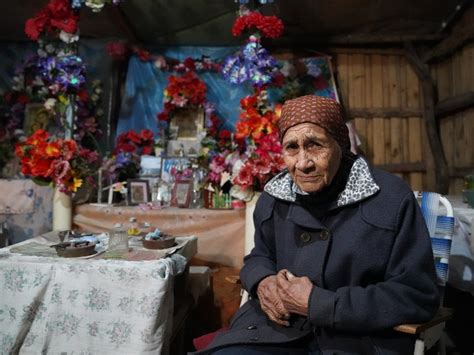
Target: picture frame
(36, 117)
(138, 191)
(187, 123)
(181, 194)
(170, 163)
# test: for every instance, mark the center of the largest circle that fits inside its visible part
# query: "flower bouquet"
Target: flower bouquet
(61, 163)
(182, 91)
(257, 135)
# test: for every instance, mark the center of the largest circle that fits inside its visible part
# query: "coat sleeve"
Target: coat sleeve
(408, 293)
(260, 263)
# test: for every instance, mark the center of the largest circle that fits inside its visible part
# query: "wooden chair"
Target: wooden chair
(440, 223)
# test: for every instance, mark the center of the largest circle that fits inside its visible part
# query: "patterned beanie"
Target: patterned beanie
(325, 112)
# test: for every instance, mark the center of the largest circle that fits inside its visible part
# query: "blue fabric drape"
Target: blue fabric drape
(143, 97)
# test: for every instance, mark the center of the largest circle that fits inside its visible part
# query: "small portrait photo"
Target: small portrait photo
(36, 117)
(138, 191)
(181, 195)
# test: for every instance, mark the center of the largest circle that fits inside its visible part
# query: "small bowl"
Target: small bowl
(167, 242)
(66, 250)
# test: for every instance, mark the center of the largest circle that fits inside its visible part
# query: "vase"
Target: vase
(62, 211)
(249, 226)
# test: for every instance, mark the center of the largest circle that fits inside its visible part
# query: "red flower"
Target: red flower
(163, 116)
(269, 26)
(182, 91)
(189, 63)
(117, 50)
(133, 142)
(57, 15)
(146, 135)
(141, 53)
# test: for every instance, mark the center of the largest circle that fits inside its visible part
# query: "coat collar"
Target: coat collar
(360, 185)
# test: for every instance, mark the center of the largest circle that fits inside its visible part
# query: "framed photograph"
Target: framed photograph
(172, 165)
(181, 195)
(36, 117)
(187, 123)
(138, 191)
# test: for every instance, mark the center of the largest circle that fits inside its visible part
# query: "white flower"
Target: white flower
(49, 104)
(69, 37)
(288, 70)
(95, 5)
(49, 48)
(99, 112)
(42, 53)
(38, 81)
(237, 192)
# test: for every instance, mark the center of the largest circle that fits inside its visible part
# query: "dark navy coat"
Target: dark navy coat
(369, 258)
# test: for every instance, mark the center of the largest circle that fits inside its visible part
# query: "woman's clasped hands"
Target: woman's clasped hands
(283, 294)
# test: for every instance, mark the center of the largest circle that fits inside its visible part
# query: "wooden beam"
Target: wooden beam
(403, 167)
(354, 39)
(461, 172)
(454, 104)
(432, 128)
(384, 112)
(364, 50)
(451, 44)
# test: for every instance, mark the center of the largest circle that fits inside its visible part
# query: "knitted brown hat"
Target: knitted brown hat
(325, 112)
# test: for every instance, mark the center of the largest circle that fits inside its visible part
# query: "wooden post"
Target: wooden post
(431, 124)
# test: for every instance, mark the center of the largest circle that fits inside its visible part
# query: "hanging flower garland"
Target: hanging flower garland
(253, 63)
(121, 51)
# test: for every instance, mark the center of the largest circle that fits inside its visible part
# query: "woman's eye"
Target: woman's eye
(291, 148)
(312, 145)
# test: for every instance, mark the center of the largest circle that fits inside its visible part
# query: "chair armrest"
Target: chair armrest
(442, 315)
(233, 279)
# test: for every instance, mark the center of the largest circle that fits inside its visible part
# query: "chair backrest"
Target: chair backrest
(438, 214)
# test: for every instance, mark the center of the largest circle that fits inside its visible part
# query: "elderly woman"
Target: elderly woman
(342, 253)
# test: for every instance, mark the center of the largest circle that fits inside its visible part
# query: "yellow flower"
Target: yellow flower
(76, 184)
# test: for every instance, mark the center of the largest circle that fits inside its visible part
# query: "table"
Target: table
(220, 233)
(461, 260)
(90, 306)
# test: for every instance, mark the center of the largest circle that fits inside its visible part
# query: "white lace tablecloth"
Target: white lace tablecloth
(71, 306)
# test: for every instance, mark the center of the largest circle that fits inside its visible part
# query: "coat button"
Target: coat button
(254, 339)
(251, 327)
(305, 237)
(324, 235)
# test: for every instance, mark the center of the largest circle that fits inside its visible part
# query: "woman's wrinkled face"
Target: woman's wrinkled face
(311, 155)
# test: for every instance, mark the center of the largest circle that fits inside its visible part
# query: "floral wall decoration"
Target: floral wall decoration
(253, 62)
(56, 78)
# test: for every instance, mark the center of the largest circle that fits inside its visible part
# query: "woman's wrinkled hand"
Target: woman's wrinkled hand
(294, 292)
(270, 301)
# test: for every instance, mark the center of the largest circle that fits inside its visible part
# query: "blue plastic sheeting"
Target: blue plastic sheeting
(143, 97)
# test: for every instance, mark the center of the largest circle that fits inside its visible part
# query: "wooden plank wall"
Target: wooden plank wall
(454, 76)
(386, 81)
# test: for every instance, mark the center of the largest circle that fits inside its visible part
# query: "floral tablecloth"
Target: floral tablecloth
(71, 306)
(26, 208)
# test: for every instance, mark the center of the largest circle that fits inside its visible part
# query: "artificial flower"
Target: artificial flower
(60, 162)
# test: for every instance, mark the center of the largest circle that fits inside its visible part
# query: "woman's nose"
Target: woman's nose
(304, 160)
